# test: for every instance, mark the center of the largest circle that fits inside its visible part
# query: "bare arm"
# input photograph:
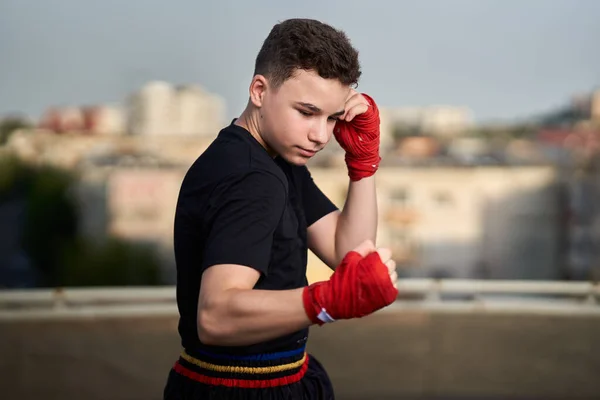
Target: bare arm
(231, 313)
(358, 220)
(334, 235)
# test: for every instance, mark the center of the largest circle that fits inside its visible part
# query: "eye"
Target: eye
(305, 113)
(333, 119)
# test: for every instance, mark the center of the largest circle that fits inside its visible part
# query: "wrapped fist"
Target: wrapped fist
(357, 132)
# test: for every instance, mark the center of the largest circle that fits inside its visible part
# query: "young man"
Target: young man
(248, 211)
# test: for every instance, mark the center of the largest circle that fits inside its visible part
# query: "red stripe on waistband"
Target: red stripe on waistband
(242, 383)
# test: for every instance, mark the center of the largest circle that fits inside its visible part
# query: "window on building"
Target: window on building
(400, 196)
(443, 198)
(404, 247)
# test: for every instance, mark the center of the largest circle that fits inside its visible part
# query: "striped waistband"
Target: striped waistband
(254, 371)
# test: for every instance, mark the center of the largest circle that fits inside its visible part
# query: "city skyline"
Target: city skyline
(500, 60)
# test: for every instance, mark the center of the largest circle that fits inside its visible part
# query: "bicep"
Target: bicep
(321, 238)
(321, 217)
(218, 278)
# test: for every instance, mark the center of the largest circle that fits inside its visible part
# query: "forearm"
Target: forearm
(243, 317)
(358, 220)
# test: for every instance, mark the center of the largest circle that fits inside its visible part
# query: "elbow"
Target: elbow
(206, 331)
(212, 328)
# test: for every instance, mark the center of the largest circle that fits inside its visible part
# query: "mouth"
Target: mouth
(307, 152)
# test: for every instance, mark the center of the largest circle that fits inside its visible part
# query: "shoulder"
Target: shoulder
(231, 158)
(235, 151)
(251, 194)
(256, 182)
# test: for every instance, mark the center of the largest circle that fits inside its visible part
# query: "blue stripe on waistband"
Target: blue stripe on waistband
(254, 357)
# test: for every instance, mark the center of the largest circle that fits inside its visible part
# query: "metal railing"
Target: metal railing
(429, 294)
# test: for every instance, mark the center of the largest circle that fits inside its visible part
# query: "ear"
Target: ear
(258, 87)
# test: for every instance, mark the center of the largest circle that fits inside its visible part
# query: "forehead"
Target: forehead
(308, 87)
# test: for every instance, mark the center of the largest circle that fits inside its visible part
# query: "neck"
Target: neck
(250, 120)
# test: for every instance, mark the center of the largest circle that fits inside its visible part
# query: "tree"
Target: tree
(401, 131)
(51, 236)
(10, 125)
(49, 222)
(112, 262)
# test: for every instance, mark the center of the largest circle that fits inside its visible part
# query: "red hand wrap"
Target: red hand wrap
(358, 287)
(360, 139)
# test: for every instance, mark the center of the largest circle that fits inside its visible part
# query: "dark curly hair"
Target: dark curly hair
(309, 45)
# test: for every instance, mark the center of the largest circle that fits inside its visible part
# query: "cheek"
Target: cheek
(281, 118)
(293, 124)
(279, 126)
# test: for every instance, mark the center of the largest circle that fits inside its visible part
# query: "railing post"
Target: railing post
(59, 301)
(433, 293)
(591, 296)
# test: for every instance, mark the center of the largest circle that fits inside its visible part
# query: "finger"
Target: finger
(391, 264)
(353, 100)
(384, 254)
(365, 248)
(394, 279)
(356, 110)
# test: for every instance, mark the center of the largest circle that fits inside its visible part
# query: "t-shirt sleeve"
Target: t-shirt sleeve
(316, 203)
(243, 217)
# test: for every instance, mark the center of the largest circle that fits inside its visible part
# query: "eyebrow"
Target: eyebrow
(316, 109)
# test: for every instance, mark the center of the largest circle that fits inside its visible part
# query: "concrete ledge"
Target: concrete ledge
(396, 354)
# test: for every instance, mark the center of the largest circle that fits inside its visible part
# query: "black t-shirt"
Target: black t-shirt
(238, 205)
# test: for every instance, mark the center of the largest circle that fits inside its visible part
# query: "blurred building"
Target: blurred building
(198, 112)
(444, 121)
(105, 120)
(490, 222)
(418, 147)
(63, 119)
(162, 109)
(441, 121)
(469, 150)
(100, 120)
(131, 197)
(587, 105)
(151, 110)
(583, 239)
(448, 222)
(479, 222)
(72, 150)
(595, 106)
(141, 203)
(523, 151)
(583, 108)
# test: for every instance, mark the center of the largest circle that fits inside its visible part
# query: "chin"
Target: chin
(296, 159)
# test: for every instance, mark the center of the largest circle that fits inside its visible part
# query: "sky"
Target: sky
(503, 59)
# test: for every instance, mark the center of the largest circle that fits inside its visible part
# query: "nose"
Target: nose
(319, 133)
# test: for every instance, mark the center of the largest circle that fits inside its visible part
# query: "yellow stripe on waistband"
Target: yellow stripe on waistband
(242, 370)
